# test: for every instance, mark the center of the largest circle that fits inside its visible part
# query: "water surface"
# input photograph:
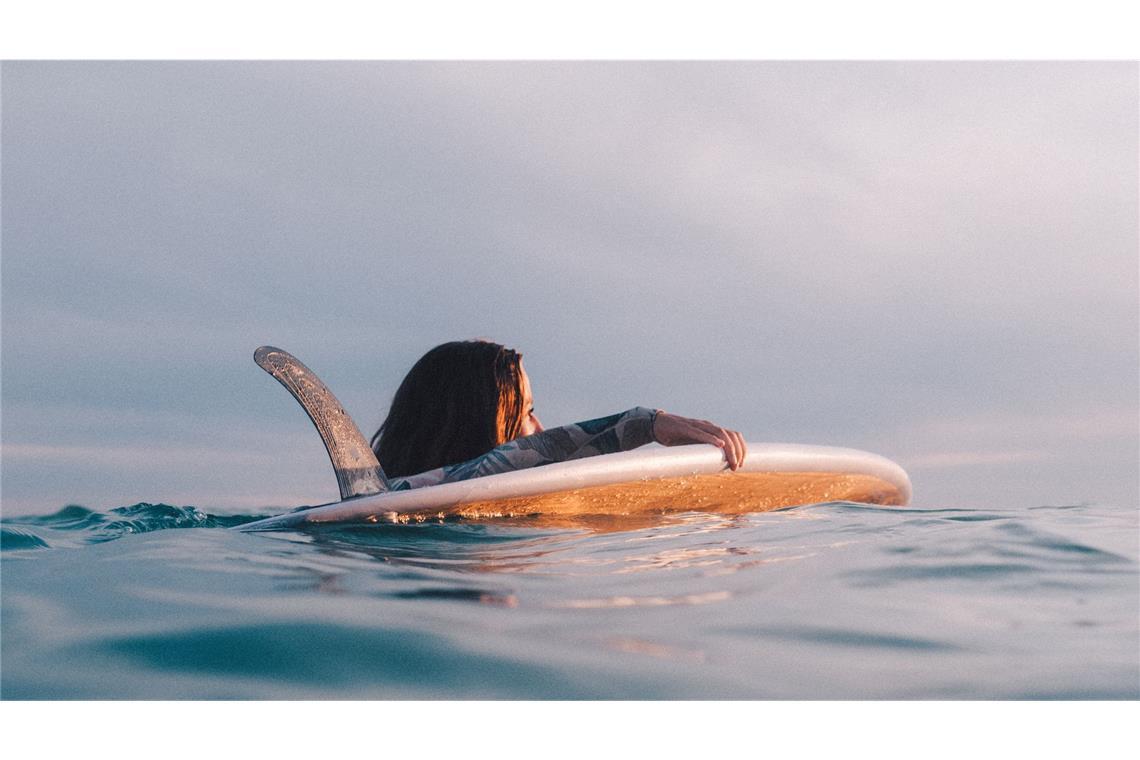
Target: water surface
(832, 601)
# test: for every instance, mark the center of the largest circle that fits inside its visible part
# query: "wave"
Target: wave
(74, 524)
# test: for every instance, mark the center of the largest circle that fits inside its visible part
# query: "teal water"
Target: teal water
(832, 601)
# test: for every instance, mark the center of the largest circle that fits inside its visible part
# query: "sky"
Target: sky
(932, 261)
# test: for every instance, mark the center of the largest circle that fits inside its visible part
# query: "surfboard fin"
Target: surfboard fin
(358, 473)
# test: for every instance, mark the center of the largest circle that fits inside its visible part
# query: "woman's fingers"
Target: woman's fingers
(732, 451)
(741, 447)
(721, 442)
(731, 442)
(674, 430)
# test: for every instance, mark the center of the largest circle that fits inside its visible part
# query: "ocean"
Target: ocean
(835, 601)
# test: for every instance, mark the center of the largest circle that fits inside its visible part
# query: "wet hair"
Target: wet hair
(460, 400)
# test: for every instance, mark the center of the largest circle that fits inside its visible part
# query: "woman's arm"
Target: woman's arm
(605, 435)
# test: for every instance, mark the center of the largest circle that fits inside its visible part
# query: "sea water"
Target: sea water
(830, 601)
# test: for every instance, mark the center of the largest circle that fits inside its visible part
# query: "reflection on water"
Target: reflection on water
(829, 601)
(663, 651)
(643, 601)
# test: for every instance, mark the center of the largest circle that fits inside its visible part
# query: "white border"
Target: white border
(507, 730)
(594, 29)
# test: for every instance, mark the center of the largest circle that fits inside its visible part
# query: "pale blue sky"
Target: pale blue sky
(932, 261)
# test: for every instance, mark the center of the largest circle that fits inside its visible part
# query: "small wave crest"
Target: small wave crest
(20, 538)
(76, 524)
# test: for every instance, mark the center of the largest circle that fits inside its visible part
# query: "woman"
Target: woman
(465, 410)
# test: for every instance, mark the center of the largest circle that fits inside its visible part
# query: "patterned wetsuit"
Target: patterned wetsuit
(605, 435)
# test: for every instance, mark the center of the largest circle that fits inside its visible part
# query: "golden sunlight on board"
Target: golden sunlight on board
(723, 493)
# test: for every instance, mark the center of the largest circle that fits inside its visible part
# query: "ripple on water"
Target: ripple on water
(846, 637)
(15, 539)
(75, 525)
(353, 660)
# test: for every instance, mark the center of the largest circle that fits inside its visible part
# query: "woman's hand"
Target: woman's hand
(674, 430)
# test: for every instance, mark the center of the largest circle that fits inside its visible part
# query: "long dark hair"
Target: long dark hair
(460, 400)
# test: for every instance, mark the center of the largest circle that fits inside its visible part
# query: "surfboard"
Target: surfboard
(652, 480)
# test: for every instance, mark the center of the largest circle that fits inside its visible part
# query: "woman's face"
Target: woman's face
(530, 424)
